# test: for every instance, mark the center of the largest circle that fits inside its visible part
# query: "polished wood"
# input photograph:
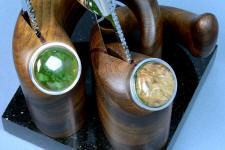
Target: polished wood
(148, 18)
(56, 116)
(147, 13)
(198, 33)
(126, 125)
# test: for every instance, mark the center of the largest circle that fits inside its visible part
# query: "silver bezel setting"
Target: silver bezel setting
(134, 95)
(35, 56)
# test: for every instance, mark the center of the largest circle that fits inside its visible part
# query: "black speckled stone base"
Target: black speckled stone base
(189, 70)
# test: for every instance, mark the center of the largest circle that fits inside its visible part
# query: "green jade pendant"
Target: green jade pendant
(55, 69)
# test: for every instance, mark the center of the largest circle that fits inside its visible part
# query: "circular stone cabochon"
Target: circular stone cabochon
(153, 84)
(55, 68)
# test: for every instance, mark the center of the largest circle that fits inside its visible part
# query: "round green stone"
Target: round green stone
(55, 69)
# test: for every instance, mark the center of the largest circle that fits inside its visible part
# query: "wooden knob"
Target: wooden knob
(198, 33)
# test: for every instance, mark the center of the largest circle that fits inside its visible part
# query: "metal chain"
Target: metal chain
(119, 30)
(31, 14)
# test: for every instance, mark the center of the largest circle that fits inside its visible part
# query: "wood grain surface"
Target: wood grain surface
(56, 116)
(126, 125)
(147, 13)
(198, 33)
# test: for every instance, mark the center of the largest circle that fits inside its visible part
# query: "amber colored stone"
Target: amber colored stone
(154, 84)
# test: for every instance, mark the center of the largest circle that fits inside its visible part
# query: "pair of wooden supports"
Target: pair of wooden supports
(126, 125)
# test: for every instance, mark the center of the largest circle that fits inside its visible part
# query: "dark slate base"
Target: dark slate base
(189, 70)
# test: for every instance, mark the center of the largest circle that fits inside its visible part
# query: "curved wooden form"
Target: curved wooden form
(127, 126)
(149, 20)
(56, 116)
(198, 33)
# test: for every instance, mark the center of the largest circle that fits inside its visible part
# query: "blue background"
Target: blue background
(203, 126)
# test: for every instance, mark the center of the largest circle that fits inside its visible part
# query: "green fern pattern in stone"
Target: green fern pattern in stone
(55, 69)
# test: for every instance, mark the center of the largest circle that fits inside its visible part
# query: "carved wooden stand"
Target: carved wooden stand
(126, 125)
(56, 116)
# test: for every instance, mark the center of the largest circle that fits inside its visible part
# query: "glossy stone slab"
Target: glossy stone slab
(189, 70)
